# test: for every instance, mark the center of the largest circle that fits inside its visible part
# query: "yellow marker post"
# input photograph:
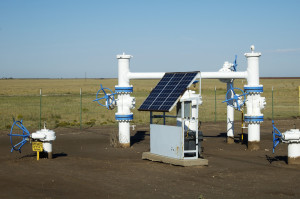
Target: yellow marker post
(38, 147)
(299, 101)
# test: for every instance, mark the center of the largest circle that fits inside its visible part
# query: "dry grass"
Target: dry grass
(19, 98)
(114, 139)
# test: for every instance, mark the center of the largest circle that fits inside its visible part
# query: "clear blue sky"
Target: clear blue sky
(68, 38)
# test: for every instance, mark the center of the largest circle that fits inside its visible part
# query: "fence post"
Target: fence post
(272, 103)
(299, 102)
(215, 104)
(80, 109)
(40, 108)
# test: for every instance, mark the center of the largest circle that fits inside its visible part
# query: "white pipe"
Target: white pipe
(223, 75)
(156, 75)
(253, 104)
(252, 76)
(47, 146)
(123, 69)
(38, 136)
(253, 132)
(202, 75)
(124, 99)
(292, 137)
(253, 68)
(230, 115)
(124, 134)
(294, 150)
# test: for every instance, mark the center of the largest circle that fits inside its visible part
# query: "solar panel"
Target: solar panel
(166, 93)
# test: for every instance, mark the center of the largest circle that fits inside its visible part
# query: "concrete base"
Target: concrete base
(253, 146)
(230, 140)
(124, 145)
(294, 160)
(168, 160)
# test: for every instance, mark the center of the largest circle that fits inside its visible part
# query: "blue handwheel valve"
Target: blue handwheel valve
(237, 101)
(109, 97)
(24, 135)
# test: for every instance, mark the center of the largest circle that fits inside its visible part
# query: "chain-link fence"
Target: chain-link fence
(79, 110)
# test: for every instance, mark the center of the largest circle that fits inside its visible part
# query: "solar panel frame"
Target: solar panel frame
(167, 92)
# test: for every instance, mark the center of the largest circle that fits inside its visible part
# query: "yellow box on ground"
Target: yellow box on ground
(37, 146)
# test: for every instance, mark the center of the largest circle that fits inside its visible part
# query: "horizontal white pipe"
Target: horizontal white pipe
(38, 136)
(204, 75)
(157, 75)
(223, 75)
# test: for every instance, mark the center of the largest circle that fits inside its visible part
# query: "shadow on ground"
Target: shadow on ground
(138, 137)
(44, 155)
(276, 158)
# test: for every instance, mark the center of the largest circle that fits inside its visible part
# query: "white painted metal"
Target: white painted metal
(124, 101)
(203, 75)
(293, 135)
(292, 138)
(253, 67)
(227, 68)
(188, 120)
(230, 112)
(254, 132)
(47, 146)
(253, 99)
(38, 136)
(123, 69)
(196, 99)
(294, 150)
(124, 132)
(146, 75)
(254, 102)
(46, 136)
(223, 75)
(166, 141)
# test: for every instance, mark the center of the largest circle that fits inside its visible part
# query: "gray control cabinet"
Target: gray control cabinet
(167, 141)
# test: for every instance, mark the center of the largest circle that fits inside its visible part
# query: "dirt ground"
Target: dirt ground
(86, 166)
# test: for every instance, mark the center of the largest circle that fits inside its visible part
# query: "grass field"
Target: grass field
(19, 98)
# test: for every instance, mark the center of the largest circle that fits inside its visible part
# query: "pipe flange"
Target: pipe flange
(254, 89)
(291, 141)
(125, 90)
(254, 119)
(121, 118)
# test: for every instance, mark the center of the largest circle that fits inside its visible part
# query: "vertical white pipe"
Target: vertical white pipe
(294, 153)
(253, 132)
(253, 81)
(123, 99)
(124, 134)
(123, 69)
(253, 68)
(230, 116)
(294, 150)
(47, 146)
